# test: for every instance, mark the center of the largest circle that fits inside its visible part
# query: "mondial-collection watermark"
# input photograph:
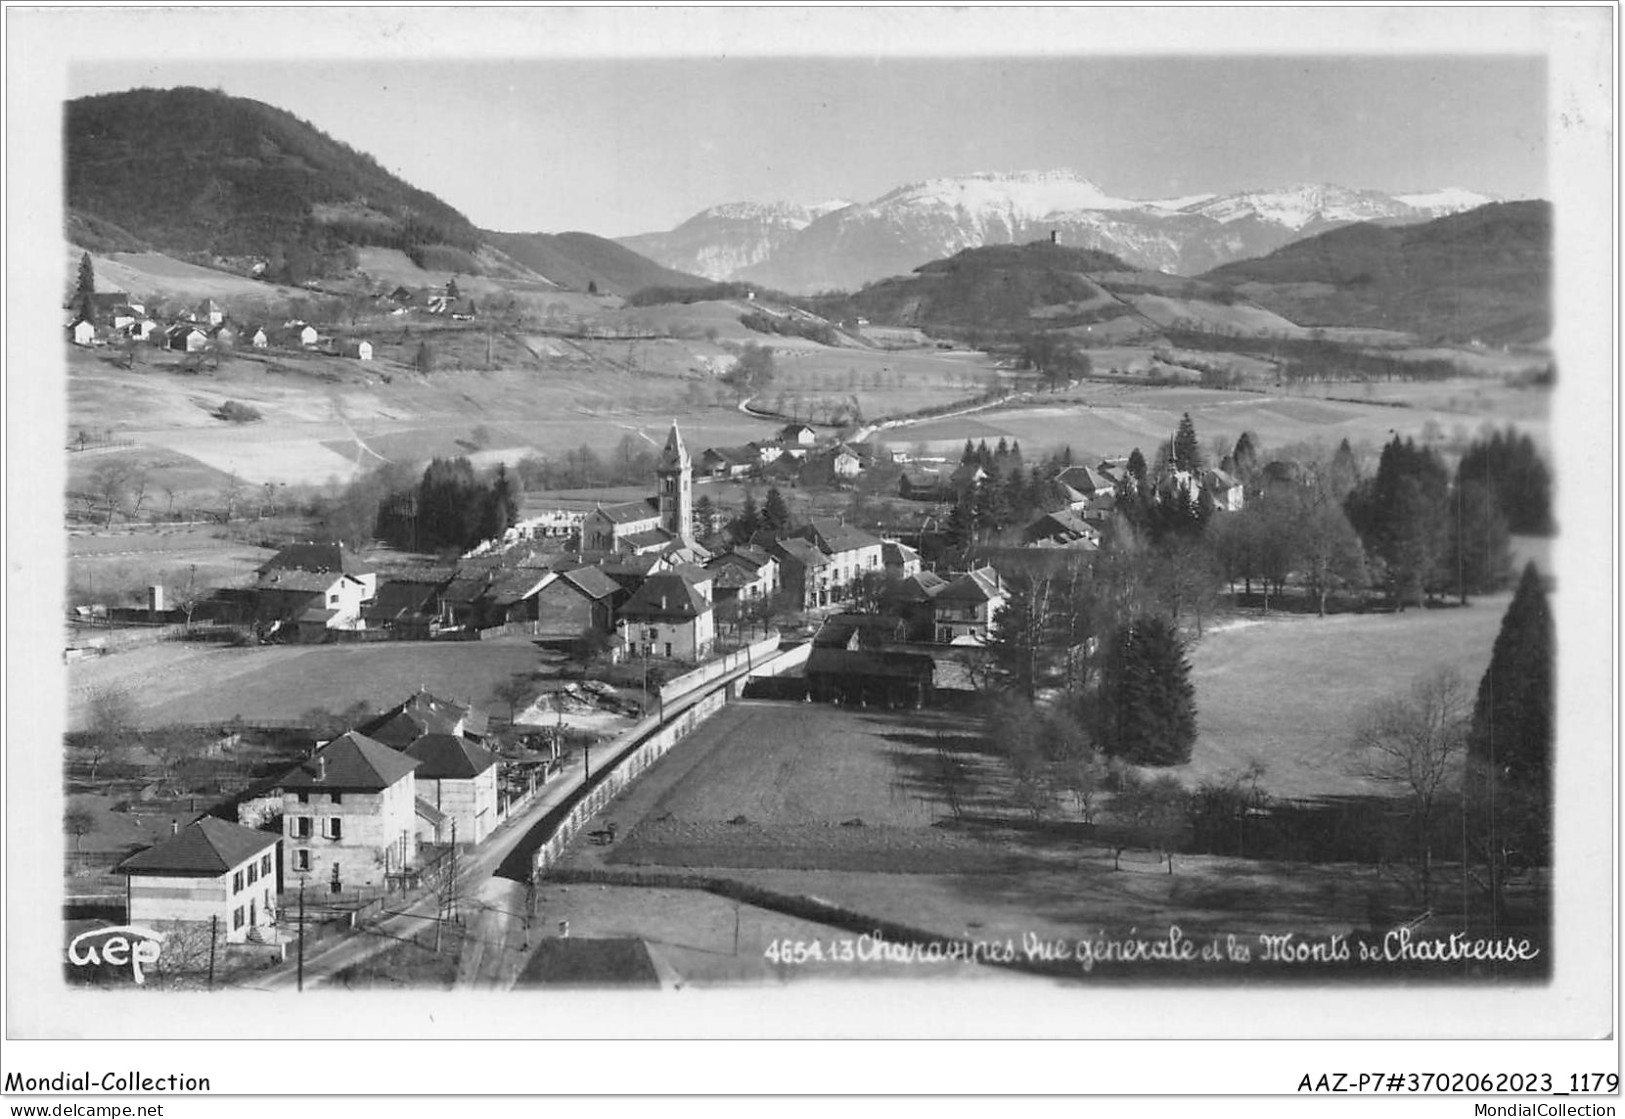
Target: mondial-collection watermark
(1174, 946)
(113, 1082)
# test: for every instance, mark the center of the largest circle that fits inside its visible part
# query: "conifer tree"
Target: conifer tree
(1187, 449)
(1147, 701)
(83, 302)
(775, 512)
(1510, 739)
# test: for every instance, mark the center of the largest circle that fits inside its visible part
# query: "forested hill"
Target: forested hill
(1011, 289)
(1483, 274)
(190, 171)
(579, 259)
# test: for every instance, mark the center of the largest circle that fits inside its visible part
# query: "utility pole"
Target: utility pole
(214, 925)
(301, 967)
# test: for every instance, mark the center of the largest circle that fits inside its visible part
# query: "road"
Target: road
(495, 883)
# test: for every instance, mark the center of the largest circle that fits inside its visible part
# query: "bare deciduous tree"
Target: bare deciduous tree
(1415, 743)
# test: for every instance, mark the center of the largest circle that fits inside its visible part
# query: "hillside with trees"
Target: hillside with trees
(1485, 274)
(580, 260)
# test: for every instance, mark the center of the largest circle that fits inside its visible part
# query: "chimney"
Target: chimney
(321, 768)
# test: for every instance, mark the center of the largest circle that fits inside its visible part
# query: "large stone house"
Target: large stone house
(458, 778)
(574, 601)
(209, 869)
(349, 816)
(316, 587)
(671, 615)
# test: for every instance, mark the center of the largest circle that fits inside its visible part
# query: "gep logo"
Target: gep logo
(117, 945)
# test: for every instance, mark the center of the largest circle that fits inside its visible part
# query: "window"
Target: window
(301, 859)
(668, 648)
(237, 882)
(237, 917)
(338, 798)
(300, 826)
(253, 874)
(335, 827)
(304, 798)
(265, 865)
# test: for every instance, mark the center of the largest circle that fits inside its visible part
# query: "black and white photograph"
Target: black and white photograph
(811, 523)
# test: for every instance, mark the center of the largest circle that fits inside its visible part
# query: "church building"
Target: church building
(661, 523)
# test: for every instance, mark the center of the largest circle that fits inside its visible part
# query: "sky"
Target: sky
(621, 141)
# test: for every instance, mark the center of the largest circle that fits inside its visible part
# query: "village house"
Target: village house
(458, 778)
(315, 587)
(846, 463)
(963, 611)
(420, 714)
(805, 572)
(186, 338)
(210, 313)
(727, 462)
(851, 551)
(223, 335)
(918, 484)
(1087, 481)
(82, 332)
(258, 338)
(1061, 529)
(671, 615)
(913, 599)
(575, 601)
(800, 434)
(1228, 494)
(210, 870)
(349, 816)
(358, 348)
(745, 574)
(898, 559)
(407, 605)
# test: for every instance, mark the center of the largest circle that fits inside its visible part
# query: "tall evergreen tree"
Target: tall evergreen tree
(749, 521)
(1477, 558)
(1136, 466)
(775, 512)
(1509, 743)
(969, 454)
(83, 303)
(1402, 515)
(1147, 702)
(1245, 456)
(1511, 469)
(1187, 448)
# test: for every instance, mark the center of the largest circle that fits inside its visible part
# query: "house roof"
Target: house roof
(353, 762)
(867, 662)
(732, 456)
(400, 597)
(1085, 479)
(429, 812)
(1221, 480)
(317, 557)
(896, 552)
(204, 848)
(513, 585)
(666, 595)
(838, 630)
(835, 537)
(744, 558)
(630, 512)
(981, 585)
(922, 586)
(804, 552)
(450, 757)
(591, 582)
(648, 538)
(584, 962)
(312, 582)
(420, 714)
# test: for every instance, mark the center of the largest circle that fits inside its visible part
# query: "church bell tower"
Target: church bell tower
(676, 475)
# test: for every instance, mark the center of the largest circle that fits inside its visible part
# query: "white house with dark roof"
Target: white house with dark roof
(208, 869)
(670, 615)
(965, 608)
(349, 816)
(744, 573)
(458, 778)
(82, 332)
(851, 551)
(316, 587)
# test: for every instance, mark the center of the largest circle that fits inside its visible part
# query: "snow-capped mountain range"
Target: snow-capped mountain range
(840, 245)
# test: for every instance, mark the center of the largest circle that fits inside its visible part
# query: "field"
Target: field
(103, 563)
(1105, 420)
(177, 682)
(1286, 690)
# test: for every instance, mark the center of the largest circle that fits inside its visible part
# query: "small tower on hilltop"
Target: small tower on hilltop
(676, 474)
